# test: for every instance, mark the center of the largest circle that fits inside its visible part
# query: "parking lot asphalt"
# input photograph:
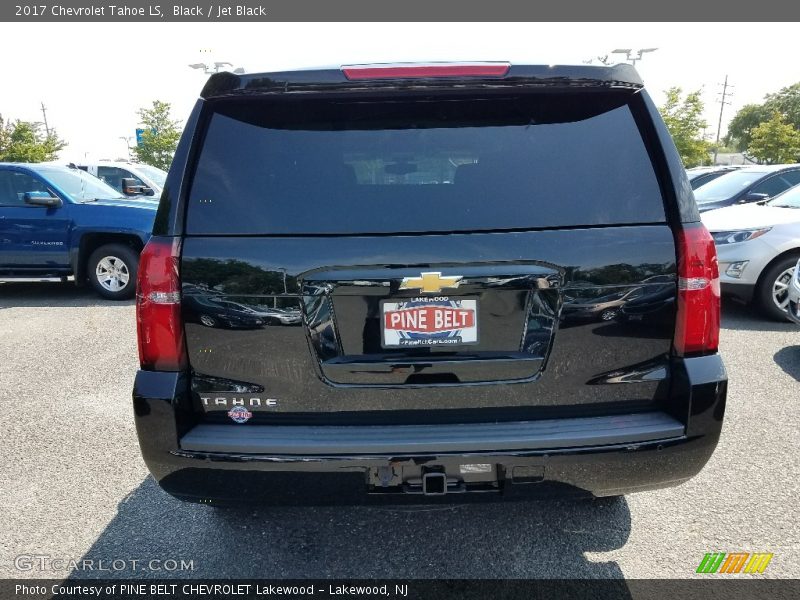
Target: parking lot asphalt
(74, 486)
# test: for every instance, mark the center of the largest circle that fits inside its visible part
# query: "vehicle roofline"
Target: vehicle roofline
(225, 84)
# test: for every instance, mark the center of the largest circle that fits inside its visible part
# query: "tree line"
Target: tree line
(29, 142)
(767, 133)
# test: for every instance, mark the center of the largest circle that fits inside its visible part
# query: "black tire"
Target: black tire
(123, 258)
(764, 293)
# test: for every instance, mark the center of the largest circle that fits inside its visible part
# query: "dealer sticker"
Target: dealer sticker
(437, 321)
(240, 414)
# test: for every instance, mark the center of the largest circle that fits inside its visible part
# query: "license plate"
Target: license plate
(439, 321)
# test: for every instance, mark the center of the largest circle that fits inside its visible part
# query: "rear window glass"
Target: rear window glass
(314, 167)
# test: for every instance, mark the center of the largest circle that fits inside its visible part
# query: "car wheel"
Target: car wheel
(608, 315)
(773, 290)
(112, 271)
(208, 321)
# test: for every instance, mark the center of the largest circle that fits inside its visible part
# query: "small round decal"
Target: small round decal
(240, 414)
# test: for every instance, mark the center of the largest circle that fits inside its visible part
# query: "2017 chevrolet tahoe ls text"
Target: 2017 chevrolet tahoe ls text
(435, 237)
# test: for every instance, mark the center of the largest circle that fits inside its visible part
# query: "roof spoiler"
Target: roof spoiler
(422, 76)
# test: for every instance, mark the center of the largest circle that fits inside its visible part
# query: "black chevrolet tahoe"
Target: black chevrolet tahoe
(460, 281)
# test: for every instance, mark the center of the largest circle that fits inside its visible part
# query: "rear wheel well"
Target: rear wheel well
(764, 295)
(92, 241)
(794, 252)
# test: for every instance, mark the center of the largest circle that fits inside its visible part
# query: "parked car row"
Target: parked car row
(78, 221)
(746, 185)
(752, 214)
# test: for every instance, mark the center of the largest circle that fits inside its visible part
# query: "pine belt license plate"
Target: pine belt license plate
(425, 322)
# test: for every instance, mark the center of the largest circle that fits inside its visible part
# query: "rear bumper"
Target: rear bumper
(599, 456)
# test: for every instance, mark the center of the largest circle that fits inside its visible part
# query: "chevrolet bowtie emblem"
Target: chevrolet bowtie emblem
(430, 283)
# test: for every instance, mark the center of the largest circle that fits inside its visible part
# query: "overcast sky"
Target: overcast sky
(94, 76)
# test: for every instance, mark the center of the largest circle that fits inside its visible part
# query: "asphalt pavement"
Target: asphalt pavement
(73, 486)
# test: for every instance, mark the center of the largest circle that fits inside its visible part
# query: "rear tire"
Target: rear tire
(773, 289)
(112, 271)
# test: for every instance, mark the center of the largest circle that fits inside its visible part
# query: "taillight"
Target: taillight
(418, 71)
(697, 325)
(158, 306)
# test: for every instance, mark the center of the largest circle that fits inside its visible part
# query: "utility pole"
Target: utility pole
(44, 114)
(722, 104)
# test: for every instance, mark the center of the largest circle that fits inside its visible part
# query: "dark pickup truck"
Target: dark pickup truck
(60, 222)
(427, 229)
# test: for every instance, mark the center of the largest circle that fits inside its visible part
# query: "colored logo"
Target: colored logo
(429, 319)
(430, 322)
(430, 283)
(240, 414)
(734, 562)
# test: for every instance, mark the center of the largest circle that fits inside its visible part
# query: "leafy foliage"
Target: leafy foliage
(775, 141)
(741, 126)
(786, 102)
(160, 137)
(684, 119)
(233, 276)
(23, 141)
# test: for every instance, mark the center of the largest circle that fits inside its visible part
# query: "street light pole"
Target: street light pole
(211, 69)
(629, 51)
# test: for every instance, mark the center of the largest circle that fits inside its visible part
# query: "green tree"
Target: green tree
(775, 141)
(786, 102)
(684, 120)
(23, 141)
(741, 126)
(160, 137)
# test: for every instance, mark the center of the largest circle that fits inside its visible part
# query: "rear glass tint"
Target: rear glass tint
(317, 167)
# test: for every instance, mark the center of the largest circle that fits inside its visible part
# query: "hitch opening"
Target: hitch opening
(434, 484)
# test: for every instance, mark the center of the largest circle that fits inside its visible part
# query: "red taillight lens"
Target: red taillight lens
(697, 325)
(354, 72)
(158, 306)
